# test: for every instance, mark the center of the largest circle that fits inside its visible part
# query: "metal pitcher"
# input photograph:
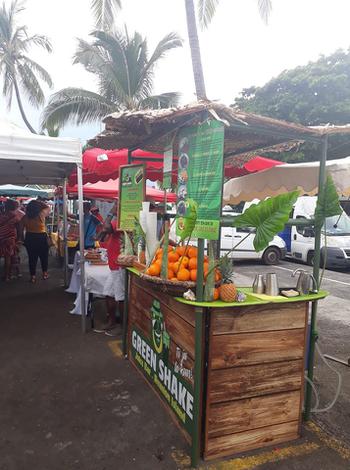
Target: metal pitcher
(259, 284)
(271, 284)
(304, 282)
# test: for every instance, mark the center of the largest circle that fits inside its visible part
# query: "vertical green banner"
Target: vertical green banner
(167, 167)
(200, 176)
(132, 180)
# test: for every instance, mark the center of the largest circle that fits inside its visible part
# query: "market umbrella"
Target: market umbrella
(110, 190)
(13, 190)
(102, 165)
(254, 165)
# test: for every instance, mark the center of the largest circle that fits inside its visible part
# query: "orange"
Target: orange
(217, 276)
(193, 274)
(183, 261)
(159, 252)
(216, 294)
(170, 274)
(173, 257)
(181, 250)
(206, 266)
(173, 279)
(206, 258)
(158, 261)
(154, 270)
(176, 267)
(170, 248)
(183, 275)
(192, 264)
(192, 252)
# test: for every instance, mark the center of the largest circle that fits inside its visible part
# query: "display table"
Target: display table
(95, 280)
(252, 381)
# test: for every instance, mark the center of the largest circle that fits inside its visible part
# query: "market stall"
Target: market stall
(230, 372)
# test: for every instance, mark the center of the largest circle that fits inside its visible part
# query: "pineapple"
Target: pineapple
(227, 290)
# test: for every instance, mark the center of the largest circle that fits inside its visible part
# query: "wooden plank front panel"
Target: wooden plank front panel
(256, 348)
(242, 415)
(249, 319)
(243, 382)
(253, 439)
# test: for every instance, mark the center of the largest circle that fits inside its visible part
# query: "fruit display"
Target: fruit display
(227, 289)
(182, 264)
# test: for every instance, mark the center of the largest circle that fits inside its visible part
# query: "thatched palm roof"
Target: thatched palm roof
(244, 132)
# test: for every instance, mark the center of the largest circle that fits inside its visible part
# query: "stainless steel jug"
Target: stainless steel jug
(258, 284)
(304, 282)
(271, 284)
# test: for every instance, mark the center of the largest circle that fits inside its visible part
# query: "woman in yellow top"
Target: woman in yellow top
(35, 240)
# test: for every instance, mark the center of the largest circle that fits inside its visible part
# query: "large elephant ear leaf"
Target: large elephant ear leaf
(268, 218)
(327, 203)
(189, 221)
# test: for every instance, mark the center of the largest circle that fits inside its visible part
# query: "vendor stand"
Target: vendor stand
(231, 374)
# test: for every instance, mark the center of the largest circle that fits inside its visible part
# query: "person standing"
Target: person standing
(114, 289)
(9, 219)
(36, 238)
(90, 225)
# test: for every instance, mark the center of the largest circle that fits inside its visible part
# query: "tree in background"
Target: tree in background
(20, 73)
(104, 12)
(314, 94)
(125, 75)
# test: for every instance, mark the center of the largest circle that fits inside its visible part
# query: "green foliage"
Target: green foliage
(328, 203)
(104, 12)
(268, 218)
(210, 281)
(125, 72)
(313, 94)
(190, 219)
(20, 73)
(138, 234)
(127, 247)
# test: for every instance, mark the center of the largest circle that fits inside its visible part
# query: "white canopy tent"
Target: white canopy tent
(27, 158)
(288, 177)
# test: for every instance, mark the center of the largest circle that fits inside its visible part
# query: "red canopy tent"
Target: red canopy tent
(102, 165)
(252, 166)
(110, 190)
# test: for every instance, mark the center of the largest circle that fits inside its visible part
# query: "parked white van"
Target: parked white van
(231, 236)
(300, 240)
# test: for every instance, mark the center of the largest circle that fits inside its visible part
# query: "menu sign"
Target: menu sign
(167, 167)
(200, 177)
(132, 179)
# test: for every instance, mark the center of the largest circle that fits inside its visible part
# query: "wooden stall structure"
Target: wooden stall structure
(253, 375)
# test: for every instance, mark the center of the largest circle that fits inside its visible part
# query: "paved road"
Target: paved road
(333, 326)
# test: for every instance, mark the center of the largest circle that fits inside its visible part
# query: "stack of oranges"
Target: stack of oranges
(182, 264)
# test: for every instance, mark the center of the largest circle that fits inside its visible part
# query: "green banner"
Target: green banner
(132, 181)
(200, 177)
(152, 357)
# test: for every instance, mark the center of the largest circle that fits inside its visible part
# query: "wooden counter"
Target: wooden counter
(253, 376)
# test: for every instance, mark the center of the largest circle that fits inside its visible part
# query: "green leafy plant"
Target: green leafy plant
(210, 281)
(189, 220)
(327, 203)
(267, 217)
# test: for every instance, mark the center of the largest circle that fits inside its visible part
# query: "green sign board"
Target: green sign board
(200, 177)
(152, 357)
(167, 167)
(132, 179)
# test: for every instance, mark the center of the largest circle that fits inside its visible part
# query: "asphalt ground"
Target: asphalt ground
(71, 401)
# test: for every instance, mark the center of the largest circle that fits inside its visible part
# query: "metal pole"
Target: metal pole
(65, 229)
(198, 366)
(81, 244)
(316, 273)
(125, 314)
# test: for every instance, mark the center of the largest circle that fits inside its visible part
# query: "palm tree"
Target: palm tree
(104, 12)
(20, 73)
(124, 72)
(206, 11)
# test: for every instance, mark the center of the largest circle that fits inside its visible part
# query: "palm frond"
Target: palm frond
(77, 106)
(29, 85)
(104, 12)
(43, 74)
(164, 100)
(7, 89)
(265, 8)
(206, 11)
(38, 40)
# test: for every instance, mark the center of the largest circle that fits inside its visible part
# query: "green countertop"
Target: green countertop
(252, 299)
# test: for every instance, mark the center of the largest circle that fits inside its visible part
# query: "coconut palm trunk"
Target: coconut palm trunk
(21, 109)
(195, 50)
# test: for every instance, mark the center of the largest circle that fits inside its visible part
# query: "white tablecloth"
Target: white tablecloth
(95, 279)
